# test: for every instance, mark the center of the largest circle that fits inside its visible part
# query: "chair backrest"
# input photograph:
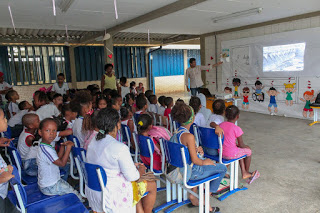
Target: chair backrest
(15, 156)
(8, 133)
(81, 152)
(126, 134)
(174, 154)
(176, 125)
(136, 117)
(94, 176)
(195, 131)
(18, 189)
(143, 146)
(74, 139)
(209, 139)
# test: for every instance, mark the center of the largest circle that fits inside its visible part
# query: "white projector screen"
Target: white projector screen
(289, 57)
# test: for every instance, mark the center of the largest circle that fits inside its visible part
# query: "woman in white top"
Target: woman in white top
(122, 173)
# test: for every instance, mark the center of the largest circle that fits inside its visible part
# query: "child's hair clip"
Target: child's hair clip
(140, 123)
(102, 131)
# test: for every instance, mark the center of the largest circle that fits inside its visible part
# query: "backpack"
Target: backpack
(175, 174)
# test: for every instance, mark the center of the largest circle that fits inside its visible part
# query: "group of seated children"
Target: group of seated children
(95, 119)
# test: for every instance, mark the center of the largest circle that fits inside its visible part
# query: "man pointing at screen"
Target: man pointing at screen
(194, 73)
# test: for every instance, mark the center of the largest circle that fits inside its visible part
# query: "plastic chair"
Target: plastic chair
(126, 137)
(176, 125)
(136, 144)
(95, 178)
(15, 159)
(79, 153)
(45, 204)
(76, 142)
(136, 118)
(32, 191)
(194, 130)
(178, 156)
(212, 141)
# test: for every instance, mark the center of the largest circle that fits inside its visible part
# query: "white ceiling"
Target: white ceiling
(198, 19)
(87, 15)
(96, 15)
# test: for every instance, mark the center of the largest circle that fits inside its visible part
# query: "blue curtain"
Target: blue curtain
(4, 64)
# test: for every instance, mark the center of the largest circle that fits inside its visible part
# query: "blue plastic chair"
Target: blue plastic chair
(74, 139)
(136, 144)
(194, 130)
(126, 137)
(178, 156)
(79, 153)
(76, 142)
(95, 178)
(210, 140)
(15, 159)
(136, 117)
(42, 203)
(32, 191)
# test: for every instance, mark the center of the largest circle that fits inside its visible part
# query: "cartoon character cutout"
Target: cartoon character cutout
(245, 95)
(258, 95)
(227, 90)
(308, 97)
(272, 92)
(236, 82)
(289, 90)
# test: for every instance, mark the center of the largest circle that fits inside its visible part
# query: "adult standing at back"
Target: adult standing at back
(194, 73)
(108, 80)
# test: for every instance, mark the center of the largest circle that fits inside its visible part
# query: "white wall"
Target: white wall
(260, 31)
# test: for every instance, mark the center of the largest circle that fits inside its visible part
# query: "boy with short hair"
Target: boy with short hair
(60, 86)
(218, 107)
(162, 106)
(142, 105)
(31, 123)
(15, 122)
(153, 106)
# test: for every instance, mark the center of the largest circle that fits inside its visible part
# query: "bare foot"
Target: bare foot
(248, 175)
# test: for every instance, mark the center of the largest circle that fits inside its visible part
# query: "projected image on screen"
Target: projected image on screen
(288, 57)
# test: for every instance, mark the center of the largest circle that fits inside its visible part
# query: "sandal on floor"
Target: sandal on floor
(214, 209)
(256, 176)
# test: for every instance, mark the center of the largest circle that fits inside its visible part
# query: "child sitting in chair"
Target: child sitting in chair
(25, 144)
(49, 161)
(234, 150)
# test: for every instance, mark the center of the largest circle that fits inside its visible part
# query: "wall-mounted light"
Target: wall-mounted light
(238, 14)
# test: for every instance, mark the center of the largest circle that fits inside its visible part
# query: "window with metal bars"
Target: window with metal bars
(30, 65)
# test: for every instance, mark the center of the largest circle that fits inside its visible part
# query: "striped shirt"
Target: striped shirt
(48, 172)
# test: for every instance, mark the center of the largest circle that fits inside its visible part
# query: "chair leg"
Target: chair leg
(185, 195)
(236, 171)
(207, 197)
(174, 191)
(201, 198)
(232, 176)
(168, 190)
(179, 193)
(158, 184)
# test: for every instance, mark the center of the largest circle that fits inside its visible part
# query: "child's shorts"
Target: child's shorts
(308, 110)
(241, 152)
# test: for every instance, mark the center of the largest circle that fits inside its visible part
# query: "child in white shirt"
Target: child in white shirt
(5, 171)
(31, 123)
(199, 119)
(83, 102)
(60, 86)
(12, 96)
(4, 88)
(49, 161)
(162, 106)
(153, 106)
(123, 89)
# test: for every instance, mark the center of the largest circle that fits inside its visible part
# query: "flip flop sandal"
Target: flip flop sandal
(256, 176)
(214, 209)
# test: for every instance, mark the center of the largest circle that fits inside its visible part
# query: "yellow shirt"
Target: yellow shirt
(110, 82)
(236, 88)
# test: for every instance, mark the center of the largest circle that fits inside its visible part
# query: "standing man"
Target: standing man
(108, 80)
(194, 73)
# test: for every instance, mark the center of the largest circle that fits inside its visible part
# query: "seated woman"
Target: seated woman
(146, 128)
(123, 185)
(202, 168)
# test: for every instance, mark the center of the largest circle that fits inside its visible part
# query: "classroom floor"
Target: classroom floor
(286, 151)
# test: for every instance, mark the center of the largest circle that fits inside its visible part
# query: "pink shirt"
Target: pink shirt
(231, 133)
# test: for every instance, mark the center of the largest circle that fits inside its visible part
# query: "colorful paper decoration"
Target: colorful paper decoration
(110, 56)
(308, 98)
(289, 90)
(273, 93)
(236, 82)
(258, 95)
(211, 58)
(245, 95)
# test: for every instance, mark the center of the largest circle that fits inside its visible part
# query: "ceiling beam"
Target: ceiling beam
(163, 11)
(180, 38)
(262, 24)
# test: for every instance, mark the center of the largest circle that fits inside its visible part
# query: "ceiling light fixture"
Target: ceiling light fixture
(115, 8)
(14, 27)
(238, 14)
(54, 8)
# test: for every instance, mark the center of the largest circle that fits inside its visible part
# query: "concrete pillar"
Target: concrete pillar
(73, 68)
(108, 49)
(185, 65)
(203, 57)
